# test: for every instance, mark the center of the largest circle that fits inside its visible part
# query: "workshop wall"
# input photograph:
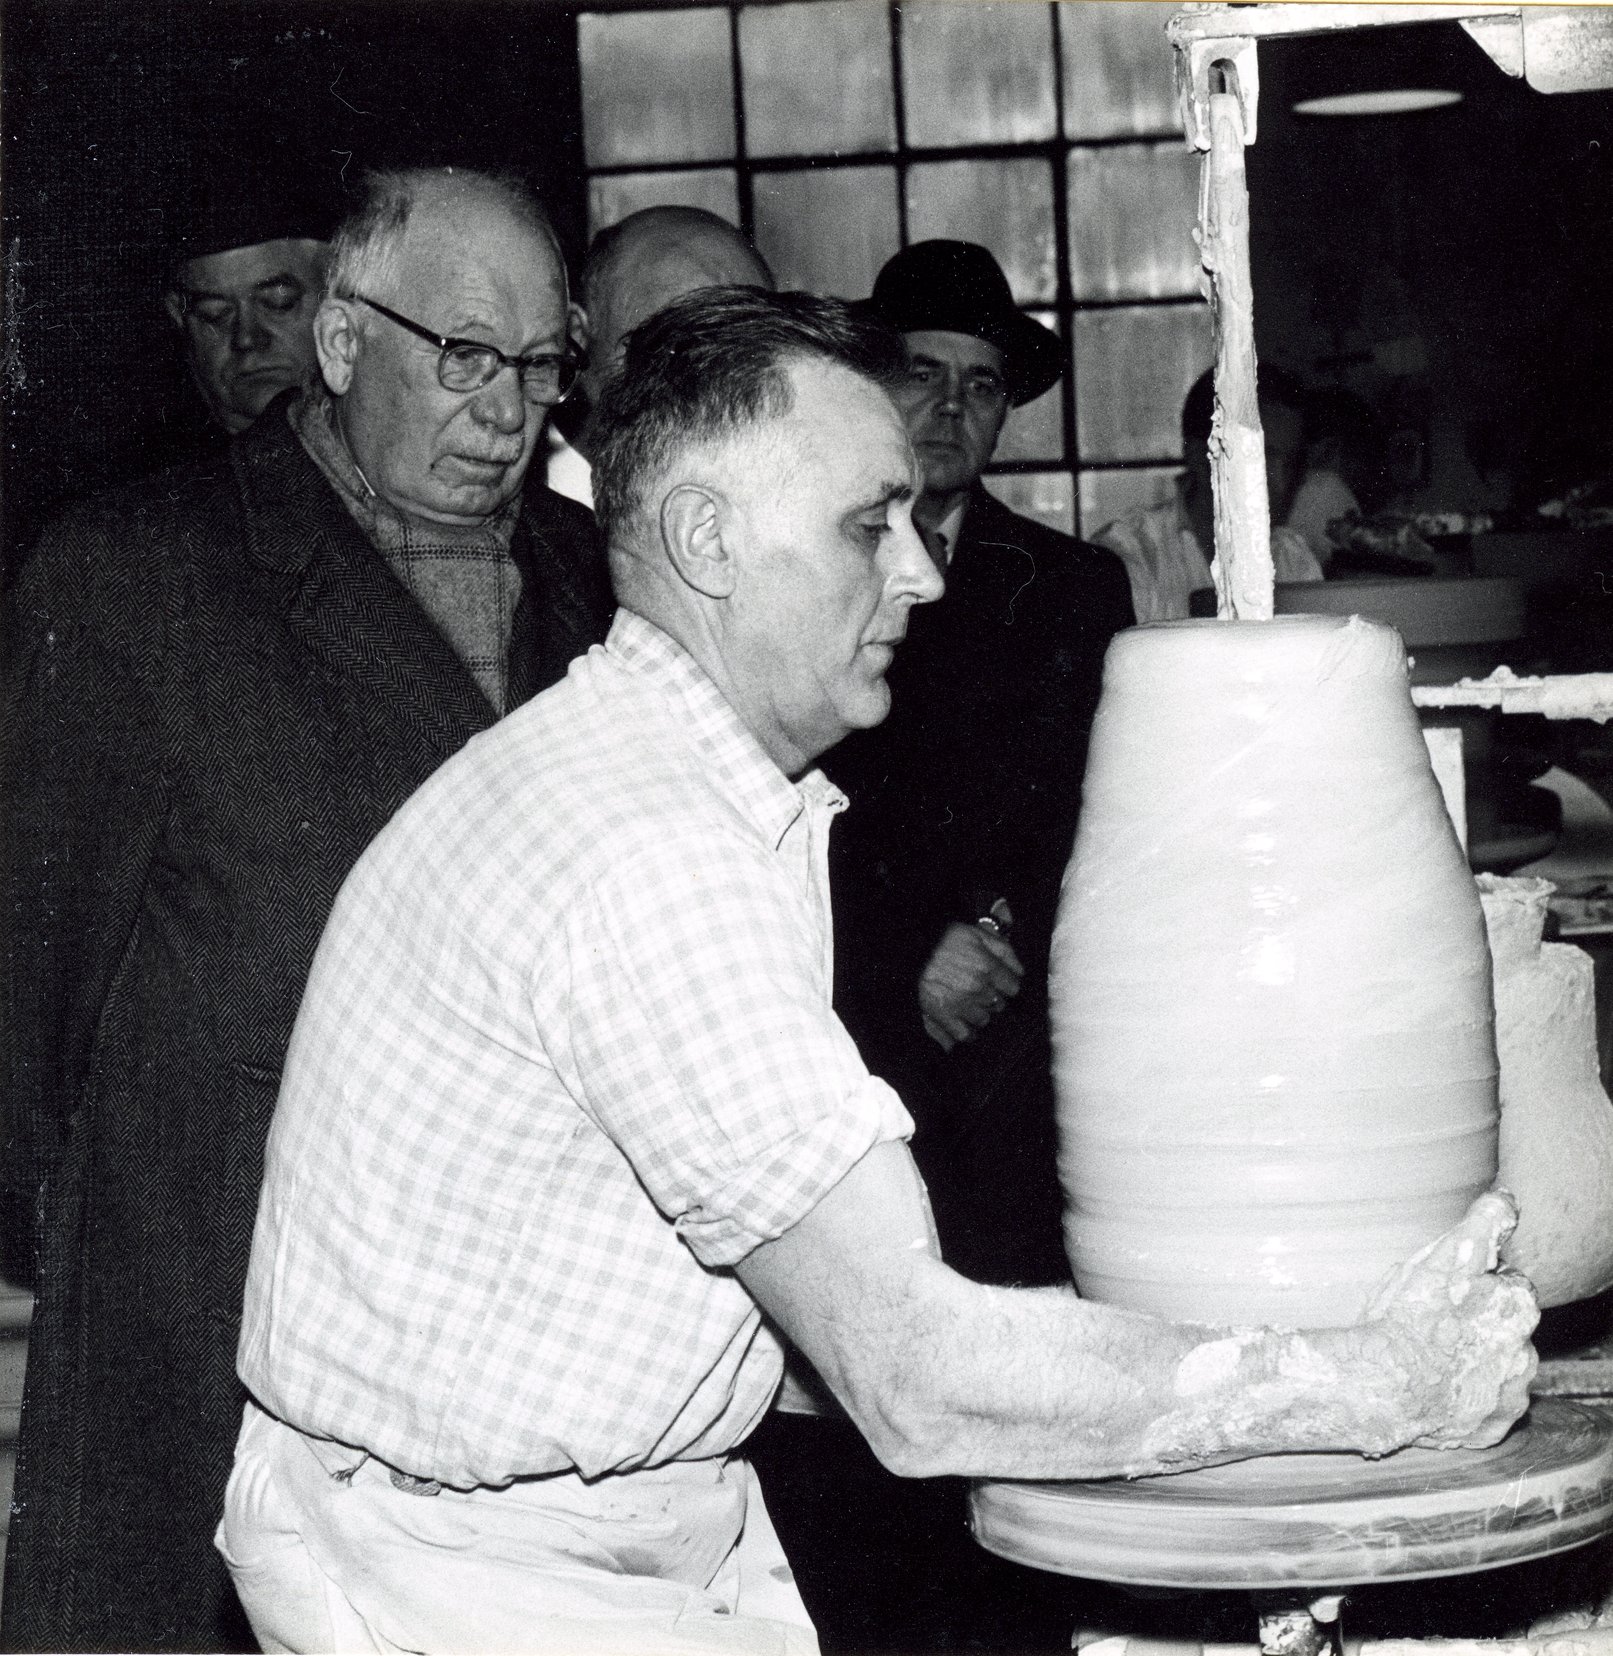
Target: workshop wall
(837, 131)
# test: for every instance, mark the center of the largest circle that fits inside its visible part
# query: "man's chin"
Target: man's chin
(464, 505)
(872, 707)
(458, 498)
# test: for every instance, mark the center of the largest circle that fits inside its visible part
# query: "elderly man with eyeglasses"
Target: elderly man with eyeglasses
(221, 684)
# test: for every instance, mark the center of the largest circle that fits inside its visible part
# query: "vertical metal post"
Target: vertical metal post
(1218, 80)
(1242, 567)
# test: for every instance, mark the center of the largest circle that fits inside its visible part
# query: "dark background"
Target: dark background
(113, 108)
(1484, 231)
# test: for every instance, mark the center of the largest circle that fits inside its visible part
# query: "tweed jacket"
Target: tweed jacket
(217, 693)
(970, 791)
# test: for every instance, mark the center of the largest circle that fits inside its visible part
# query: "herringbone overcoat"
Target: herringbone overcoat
(217, 694)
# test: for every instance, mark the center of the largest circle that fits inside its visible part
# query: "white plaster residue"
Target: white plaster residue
(1273, 899)
(1272, 1083)
(1210, 1365)
(1300, 1361)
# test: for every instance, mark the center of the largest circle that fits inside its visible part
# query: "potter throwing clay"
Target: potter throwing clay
(1556, 1121)
(1270, 988)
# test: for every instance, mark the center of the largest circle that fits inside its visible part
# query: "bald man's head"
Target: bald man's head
(639, 266)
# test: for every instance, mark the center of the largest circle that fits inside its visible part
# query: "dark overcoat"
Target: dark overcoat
(970, 791)
(217, 693)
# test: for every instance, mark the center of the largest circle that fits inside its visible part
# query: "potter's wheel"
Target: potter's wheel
(1320, 1520)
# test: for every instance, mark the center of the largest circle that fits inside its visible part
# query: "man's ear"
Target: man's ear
(336, 340)
(577, 324)
(173, 302)
(692, 536)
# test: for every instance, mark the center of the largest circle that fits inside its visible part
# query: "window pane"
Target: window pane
(1005, 205)
(1107, 495)
(1118, 75)
(827, 229)
(1036, 431)
(656, 86)
(1133, 367)
(1132, 212)
(817, 78)
(1049, 497)
(977, 74)
(614, 196)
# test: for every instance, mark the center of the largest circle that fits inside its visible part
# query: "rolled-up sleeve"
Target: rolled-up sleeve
(710, 1051)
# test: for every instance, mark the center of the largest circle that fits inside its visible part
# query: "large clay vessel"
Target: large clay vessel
(1273, 1037)
(1556, 1122)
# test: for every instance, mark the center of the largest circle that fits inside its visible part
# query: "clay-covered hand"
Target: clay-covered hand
(1458, 1332)
(966, 982)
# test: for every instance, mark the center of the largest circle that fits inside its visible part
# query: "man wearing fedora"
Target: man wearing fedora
(945, 874)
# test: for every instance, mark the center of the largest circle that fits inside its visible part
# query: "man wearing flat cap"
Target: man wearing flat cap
(243, 296)
(945, 873)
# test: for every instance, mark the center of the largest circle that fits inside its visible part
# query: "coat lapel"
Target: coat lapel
(344, 605)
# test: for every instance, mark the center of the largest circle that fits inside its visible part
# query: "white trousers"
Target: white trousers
(331, 1552)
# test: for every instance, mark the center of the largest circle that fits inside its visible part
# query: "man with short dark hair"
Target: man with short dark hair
(1164, 547)
(220, 684)
(569, 1127)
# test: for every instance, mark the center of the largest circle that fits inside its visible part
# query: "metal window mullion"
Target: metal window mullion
(1064, 287)
(899, 111)
(742, 172)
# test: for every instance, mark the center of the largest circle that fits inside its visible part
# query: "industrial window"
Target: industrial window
(836, 131)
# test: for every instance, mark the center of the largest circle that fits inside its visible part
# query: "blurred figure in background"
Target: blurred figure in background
(635, 268)
(1167, 548)
(1344, 464)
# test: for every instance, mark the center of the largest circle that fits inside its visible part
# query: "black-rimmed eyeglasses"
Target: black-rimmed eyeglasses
(468, 365)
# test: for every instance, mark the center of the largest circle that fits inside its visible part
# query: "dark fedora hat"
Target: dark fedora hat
(958, 287)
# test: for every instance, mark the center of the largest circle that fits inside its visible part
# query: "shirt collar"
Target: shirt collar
(952, 524)
(763, 791)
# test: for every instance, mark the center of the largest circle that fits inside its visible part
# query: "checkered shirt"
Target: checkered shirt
(566, 1056)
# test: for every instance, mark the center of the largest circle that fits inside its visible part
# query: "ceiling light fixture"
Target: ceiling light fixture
(1392, 100)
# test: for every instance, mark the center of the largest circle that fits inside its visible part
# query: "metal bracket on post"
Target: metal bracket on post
(1194, 61)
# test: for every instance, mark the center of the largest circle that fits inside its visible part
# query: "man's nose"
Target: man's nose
(914, 575)
(501, 403)
(247, 332)
(949, 394)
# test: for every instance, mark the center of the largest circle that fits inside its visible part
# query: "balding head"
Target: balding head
(639, 266)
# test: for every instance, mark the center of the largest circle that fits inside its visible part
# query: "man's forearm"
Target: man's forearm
(1041, 1384)
(944, 1375)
